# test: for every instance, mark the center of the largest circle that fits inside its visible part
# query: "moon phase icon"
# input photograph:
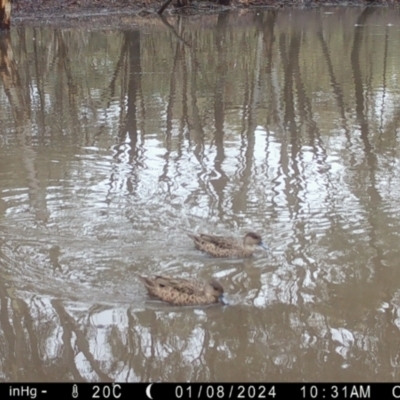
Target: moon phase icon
(148, 394)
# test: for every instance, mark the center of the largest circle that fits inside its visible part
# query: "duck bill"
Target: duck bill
(223, 299)
(264, 246)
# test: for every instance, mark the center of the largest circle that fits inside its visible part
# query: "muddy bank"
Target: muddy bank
(40, 10)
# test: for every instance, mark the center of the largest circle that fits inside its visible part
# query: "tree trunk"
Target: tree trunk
(5, 14)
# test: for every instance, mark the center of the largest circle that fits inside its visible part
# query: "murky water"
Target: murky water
(115, 144)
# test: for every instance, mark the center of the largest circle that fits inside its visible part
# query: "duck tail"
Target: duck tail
(146, 281)
(196, 239)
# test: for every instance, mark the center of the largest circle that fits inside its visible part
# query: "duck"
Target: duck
(220, 246)
(184, 292)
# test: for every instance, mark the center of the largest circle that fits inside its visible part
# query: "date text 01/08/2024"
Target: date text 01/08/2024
(226, 391)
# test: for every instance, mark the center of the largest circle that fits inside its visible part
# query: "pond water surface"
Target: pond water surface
(114, 144)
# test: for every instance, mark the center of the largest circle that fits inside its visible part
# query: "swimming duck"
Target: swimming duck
(184, 292)
(220, 246)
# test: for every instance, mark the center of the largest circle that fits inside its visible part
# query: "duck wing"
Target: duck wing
(220, 241)
(177, 284)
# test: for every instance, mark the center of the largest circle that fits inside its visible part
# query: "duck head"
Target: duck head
(254, 239)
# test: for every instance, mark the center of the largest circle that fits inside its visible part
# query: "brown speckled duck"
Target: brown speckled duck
(220, 246)
(184, 292)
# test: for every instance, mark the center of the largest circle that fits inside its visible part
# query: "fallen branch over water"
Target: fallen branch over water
(163, 6)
